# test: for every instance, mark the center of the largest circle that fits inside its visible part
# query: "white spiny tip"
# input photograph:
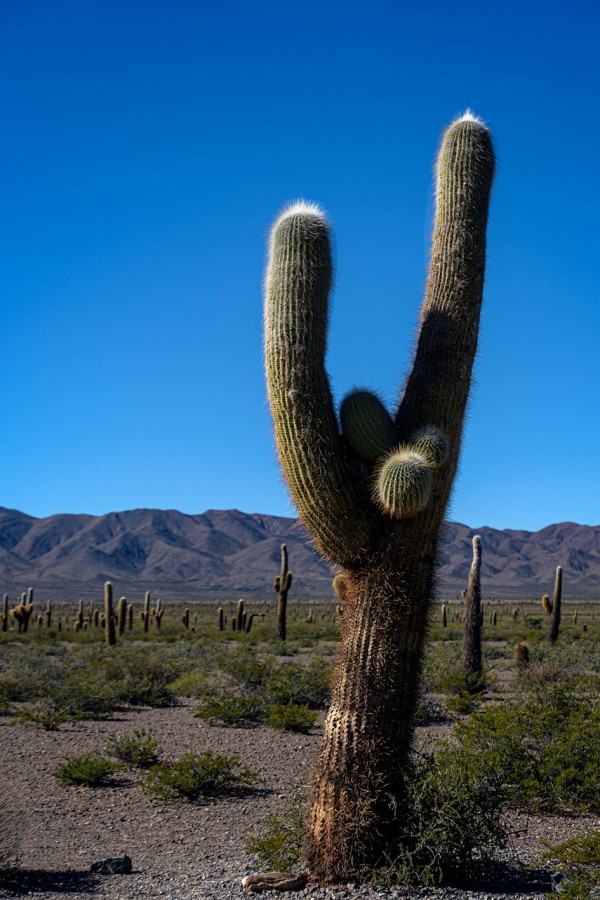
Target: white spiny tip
(469, 116)
(300, 208)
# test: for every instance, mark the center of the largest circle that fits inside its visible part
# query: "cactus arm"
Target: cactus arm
(331, 502)
(438, 387)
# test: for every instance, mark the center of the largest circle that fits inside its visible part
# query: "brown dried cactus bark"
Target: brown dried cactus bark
(387, 557)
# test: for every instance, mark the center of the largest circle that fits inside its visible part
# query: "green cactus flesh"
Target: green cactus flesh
(403, 483)
(367, 425)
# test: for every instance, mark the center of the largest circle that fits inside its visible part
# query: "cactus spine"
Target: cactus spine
(556, 607)
(109, 619)
(282, 584)
(379, 523)
(471, 660)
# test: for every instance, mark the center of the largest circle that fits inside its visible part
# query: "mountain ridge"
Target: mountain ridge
(221, 554)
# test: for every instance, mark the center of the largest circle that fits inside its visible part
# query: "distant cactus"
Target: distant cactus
(283, 583)
(5, 613)
(515, 614)
(249, 621)
(233, 623)
(130, 616)
(49, 614)
(522, 656)
(575, 617)
(444, 616)
(122, 615)
(158, 617)
(109, 619)
(186, 618)
(220, 619)
(239, 622)
(547, 604)
(471, 661)
(96, 618)
(145, 614)
(494, 618)
(556, 607)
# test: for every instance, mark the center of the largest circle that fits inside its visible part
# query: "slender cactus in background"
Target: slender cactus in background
(444, 617)
(49, 614)
(282, 584)
(471, 660)
(220, 619)
(130, 617)
(5, 613)
(145, 614)
(375, 507)
(122, 615)
(556, 607)
(239, 622)
(109, 618)
(547, 604)
(185, 618)
(80, 614)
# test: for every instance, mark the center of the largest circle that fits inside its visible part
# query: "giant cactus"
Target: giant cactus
(110, 634)
(375, 506)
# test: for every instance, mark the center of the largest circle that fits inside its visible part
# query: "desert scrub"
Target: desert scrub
(579, 860)
(90, 769)
(232, 710)
(291, 717)
(46, 714)
(279, 845)
(140, 749)
(193, 777)
(545, 747)
(454, 827)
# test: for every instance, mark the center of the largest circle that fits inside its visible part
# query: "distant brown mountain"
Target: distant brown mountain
(224, 554)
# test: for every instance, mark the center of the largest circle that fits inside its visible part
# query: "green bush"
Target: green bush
(233, 710)
(91, 769)
(279, 847)
(46, 714)
(545, 747)
(140, 749)
(193, 776)
(291, 717)
(579, 860)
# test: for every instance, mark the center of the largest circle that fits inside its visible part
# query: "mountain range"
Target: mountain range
(225, 554)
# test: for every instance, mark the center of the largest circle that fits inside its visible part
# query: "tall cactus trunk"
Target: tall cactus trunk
(357, 791)
(373, 493)
(110, 634)
(472, 631)
(556, 607)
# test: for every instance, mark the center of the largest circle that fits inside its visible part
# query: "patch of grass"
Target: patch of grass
(90, 769)
(291, 717)
(140, 749)
(193, 777)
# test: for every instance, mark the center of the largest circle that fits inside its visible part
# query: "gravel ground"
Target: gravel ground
(185, 850)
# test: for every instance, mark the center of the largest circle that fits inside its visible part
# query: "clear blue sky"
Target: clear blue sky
(148, 145)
